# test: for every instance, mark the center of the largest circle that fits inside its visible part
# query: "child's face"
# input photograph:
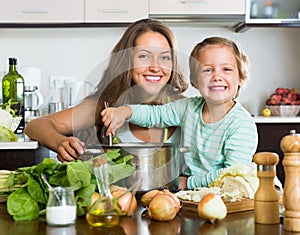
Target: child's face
(218, 76)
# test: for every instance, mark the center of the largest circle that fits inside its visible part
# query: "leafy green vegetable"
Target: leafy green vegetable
(84, 198)
(35, 191)
(28, 193)
(21, 206)
(30, 201)
(8, 107)
(119, 166)
(7, 135)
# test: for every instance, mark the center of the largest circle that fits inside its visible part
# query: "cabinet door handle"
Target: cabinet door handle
(114, 11)
(202, 2)
(34, 11)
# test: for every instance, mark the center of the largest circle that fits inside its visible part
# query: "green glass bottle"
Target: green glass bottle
(13, 89)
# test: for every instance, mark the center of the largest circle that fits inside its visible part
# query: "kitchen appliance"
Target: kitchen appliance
(56, 99)
(157, 164)
(33, 102)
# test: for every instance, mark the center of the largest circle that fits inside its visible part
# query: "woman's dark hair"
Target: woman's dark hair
(117, 77)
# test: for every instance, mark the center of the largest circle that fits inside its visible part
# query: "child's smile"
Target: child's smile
(218, 77)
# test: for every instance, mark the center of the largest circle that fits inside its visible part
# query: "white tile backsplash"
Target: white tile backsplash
(274, 53)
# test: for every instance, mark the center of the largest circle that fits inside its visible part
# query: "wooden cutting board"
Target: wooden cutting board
(232, 207)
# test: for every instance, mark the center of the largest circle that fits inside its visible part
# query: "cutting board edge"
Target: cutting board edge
(232, 207)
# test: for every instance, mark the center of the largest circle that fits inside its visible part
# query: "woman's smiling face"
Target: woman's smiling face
(152, 62)
(218, 76)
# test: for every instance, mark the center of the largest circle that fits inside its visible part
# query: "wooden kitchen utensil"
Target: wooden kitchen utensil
(290, 146)
(266, 199)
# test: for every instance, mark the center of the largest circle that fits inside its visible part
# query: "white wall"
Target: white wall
(274, 53)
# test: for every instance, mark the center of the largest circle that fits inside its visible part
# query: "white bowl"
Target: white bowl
(15, 123)
(284, 110)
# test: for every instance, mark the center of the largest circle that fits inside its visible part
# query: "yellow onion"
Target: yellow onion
(95, 197)
(126, 200)
(147, 197)
(175, 198)
(211, 207)
(162, 208)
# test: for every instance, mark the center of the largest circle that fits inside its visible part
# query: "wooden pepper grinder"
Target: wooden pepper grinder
(266, 198)
(290, 146)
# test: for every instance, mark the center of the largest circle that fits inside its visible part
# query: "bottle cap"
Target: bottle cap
(12, 61)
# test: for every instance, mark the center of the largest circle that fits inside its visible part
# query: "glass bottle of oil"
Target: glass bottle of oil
(13, 91)
(104, 212)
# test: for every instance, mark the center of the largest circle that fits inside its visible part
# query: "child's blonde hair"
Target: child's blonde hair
(241, 59)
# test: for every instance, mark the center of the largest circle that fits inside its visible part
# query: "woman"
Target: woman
(217, 129)
(151, 76)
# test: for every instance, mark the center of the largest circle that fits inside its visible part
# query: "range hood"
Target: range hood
(255, 13)
(203, 20)
(200, 13)
(237, 23)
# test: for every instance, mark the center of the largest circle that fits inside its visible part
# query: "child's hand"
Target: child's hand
(114, 118)
(182, 184)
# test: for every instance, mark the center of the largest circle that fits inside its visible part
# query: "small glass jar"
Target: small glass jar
(61, 207)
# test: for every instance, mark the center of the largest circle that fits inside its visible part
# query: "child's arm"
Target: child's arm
(113, 118)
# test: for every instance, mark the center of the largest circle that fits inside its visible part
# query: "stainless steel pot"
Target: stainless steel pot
(157, 164)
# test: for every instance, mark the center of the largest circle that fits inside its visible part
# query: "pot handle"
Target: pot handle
(183, 149)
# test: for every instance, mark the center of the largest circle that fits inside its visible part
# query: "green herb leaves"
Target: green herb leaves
(28, 200)
(22, 206)
(7, 135)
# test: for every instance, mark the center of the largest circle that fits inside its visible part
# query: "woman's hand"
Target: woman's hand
(70, 149)
(114, 118)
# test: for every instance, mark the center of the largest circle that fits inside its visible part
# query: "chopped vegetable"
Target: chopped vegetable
(8, 107)
(234, 183)
(7, 135)
(238, 181)
(7, 118)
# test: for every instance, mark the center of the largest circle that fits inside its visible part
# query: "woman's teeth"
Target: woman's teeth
(152, 78)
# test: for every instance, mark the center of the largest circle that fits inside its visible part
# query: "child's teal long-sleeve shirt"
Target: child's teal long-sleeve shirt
(212, 147)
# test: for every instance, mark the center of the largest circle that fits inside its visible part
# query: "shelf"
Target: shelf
(273, 119)
(19, 145)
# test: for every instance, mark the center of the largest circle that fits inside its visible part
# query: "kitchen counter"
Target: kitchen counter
(23, 143)
(19, 145)
(185, 222)
(276, 119)
(24, 152)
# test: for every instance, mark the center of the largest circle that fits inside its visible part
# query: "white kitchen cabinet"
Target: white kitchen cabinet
(41, 11)
(188, 7)
(115, 11)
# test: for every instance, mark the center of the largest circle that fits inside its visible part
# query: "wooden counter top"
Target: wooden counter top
(185, 223)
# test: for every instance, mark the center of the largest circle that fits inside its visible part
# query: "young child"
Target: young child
(217, 129)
